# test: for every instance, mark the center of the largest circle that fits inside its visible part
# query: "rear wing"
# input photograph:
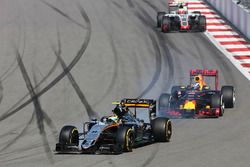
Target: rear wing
(139, 103)
(175, 6)
(177, 3)
(206, 73)
(149, 104)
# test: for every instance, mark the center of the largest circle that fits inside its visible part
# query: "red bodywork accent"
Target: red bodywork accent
(173, 3)
(203, 113)
(164, 27)
(181, 11)
(187, 27)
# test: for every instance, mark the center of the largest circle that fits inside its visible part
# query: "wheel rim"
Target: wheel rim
(130, 142)
(234, 98)
(168, 130)
(222, 108)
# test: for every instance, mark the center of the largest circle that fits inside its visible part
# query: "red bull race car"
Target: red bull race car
(119, 132)
(197, 100)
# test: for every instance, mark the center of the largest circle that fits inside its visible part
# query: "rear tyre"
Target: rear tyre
(159, 18)
(174, 89)
(162, 129)
(217, 102)
(196, 12)
(202, 23)
(164, 101)
(125, 138)
(228, 93)
(69, 135)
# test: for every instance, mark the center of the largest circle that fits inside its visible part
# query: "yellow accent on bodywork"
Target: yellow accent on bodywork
(137, 105)
(189, 105)
(115, 102)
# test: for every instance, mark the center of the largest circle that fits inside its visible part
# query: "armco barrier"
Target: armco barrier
(237, 15)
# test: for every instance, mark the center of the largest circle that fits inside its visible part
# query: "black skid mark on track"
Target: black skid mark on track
(115, 73)
(167, 56)
(36, 86)
(157, 65)
(8, 112)
(46, 117)
(130, 4)
(10, 71)
(1, 92)
(117, 4)
(79, 55)
(38, 109)
(20, 134)
(148, 22)
(63, 14)
(151, 5)
(91, 113)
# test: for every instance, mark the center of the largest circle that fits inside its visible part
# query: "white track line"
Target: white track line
(225, 41)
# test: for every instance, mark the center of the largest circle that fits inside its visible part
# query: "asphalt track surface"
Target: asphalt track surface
(64, 61)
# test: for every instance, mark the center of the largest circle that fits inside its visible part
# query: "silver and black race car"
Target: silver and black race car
(175, 21)
(116, 133)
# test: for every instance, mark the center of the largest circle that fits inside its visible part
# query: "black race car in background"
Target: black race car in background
(121, 131)
(197, 100)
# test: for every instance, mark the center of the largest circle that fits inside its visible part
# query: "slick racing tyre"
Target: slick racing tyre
(164, 101)
(202, 23)
(162, 129)
(125, 138)
(217, 102)
(159, 18)
(196, 12)
(228, 93)
(69, 135)
(174, 89)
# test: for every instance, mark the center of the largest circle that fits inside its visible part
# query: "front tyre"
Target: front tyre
(164, 101)
(69, 135)
(162, 129)
(159, 18)
(125, 138)
(217, 102)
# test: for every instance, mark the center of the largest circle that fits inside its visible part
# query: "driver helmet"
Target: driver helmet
(180, 4)
(113, 118)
